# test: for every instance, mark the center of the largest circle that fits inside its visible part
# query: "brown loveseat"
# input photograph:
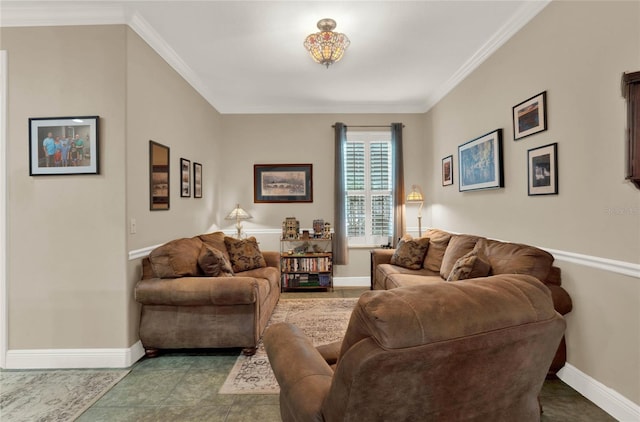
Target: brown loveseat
(451, 256)
(467, 350)
(209, 291)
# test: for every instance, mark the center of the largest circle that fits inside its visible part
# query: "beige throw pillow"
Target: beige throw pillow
(244, 254)
(410, 252)
(213, 263)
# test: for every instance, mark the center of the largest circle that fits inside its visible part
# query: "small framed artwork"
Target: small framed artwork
(63, 145)
(530, 116)
(197, 180)
(282, 183)
(158, 176)
(543, 170)
(447, 171)
(480, 163)
(185, 178)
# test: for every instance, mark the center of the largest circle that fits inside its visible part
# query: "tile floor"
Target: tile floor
(183, 386)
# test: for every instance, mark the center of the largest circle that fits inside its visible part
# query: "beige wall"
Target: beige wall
(65, 255)
(70, 282)
(301, 138)
(577, 52)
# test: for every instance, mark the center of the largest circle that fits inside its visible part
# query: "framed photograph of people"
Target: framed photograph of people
(185, 178)
(530, 116)
(282, 183)
(447, 171)
(480, 163)
(197, 180)
(63, 145)
(543, 170)
(158, 176)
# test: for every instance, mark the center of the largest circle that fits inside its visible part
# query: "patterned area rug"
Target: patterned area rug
(56, 395)
(323, 320)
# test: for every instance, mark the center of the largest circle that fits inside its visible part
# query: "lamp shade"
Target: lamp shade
(415, 195)
(238, 214)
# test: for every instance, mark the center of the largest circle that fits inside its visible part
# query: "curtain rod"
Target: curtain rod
(333, 126)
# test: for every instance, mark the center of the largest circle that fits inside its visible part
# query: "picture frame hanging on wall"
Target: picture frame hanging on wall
(542, 169)
(530, 116)
(480, 163)
(64, 145)
(159, 177)
(282, 183)
(197, 180)
(447, 171)
(185, 178)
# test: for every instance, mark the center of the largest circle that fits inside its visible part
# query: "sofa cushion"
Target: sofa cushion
(215, 240)
(383, 273)
(459, 245)
(438, 241)
(178, 258)
(244, 254)
(410, 252)
(515, 258)
(213, 263)
(471, 265)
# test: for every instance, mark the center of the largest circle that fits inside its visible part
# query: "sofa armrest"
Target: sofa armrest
(197, 291)
(381, 256)
(272, 258)
(303, 375)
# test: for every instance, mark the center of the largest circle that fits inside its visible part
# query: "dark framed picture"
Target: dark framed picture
(197, 180)
(543, 170)
(530, 116)
(185, 178)
(447, 171)
(480, 163)
(63, 145)
(158, 176)
(282, 183)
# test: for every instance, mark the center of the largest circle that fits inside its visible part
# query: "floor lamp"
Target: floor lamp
(416, 197)
(238, 214)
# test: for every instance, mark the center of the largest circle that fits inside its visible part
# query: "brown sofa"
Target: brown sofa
(445, 250)
(190, 299)
(467, 350)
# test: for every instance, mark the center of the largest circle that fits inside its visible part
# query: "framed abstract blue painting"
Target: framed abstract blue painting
(480, 162)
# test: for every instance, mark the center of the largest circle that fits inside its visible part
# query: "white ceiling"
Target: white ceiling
(247, 56)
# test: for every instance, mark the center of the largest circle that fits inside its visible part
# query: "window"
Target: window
(368, 185)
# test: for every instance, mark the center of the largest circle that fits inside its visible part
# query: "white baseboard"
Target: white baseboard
(74, 358)
(602, 396)
(351, 282)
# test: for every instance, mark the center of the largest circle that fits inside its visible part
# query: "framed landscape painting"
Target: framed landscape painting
(530, 116)
(480, 163)
(543, 170)
(63, 145)
(447, 171)
(158, 176)
(282, 183)
(185, 178)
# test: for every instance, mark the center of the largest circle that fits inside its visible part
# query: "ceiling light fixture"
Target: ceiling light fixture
(326, 47)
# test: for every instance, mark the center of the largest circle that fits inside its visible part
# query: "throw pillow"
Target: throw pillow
(471, 265)
(215, 240)
(244, 254)
(213, 263)
(459, 245)
(178, 258)
(410, 252)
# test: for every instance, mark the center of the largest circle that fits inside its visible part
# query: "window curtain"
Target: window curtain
(340, 243)
(397, 172)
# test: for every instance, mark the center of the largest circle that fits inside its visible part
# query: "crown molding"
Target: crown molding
(41, 14)
(527, 12)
